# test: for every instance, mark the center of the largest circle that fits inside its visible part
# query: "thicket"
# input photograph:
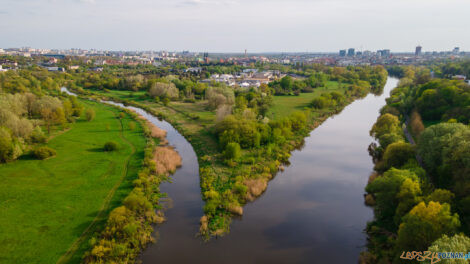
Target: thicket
(30, 102)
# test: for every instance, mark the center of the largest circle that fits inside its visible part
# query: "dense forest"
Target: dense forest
(420, 190)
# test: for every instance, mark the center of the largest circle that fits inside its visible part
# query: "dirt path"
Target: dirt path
(71, 251)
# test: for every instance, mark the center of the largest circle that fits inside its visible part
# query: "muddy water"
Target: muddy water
(313, 212)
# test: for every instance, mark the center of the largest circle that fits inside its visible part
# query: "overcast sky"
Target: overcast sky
(235, 25)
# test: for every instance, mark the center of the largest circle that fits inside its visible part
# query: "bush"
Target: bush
(110, 146)
(90, 114)
(43, 152)
(319, 102)
(132, 126)
(6, 145)
(38, 136)
(232, 151)
(166, 101)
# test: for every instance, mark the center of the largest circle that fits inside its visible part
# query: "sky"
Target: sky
(236, 25)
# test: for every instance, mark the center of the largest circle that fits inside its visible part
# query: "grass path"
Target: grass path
(101, 213)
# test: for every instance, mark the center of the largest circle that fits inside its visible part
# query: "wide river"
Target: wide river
(313, 212)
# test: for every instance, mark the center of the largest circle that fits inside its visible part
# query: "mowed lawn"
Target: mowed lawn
(46, 206)
(284, 105)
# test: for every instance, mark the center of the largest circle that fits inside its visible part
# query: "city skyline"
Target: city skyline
(233, 26)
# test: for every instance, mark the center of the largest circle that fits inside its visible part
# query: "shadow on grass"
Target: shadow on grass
(96, 150)
(28, 157)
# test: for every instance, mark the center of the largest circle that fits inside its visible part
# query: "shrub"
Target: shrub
(6, 145)
(232, 151)
(110, 146)
(43, 152)
(90, 114)
(38, 136)
(189, 100)
(166, 101)
(132, 126)
(319, 102)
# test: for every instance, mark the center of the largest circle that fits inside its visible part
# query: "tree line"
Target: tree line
(420, 192)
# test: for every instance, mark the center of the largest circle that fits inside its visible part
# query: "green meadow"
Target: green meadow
(284, 105)
(50, 208)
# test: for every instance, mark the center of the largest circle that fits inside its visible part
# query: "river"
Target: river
(313, 212)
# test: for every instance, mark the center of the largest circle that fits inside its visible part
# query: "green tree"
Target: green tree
(424, 224)
(287, 83)
(433, 148)
(6, 145)
(232, 151)
(90, 114)
(396, 155)
(110, 146)
(456, 243)
(386, 190)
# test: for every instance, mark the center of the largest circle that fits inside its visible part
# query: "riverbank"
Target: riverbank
(247, 179)
(50, 208)
(310, 211)
(141, 208)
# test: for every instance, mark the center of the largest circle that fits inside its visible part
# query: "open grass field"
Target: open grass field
(285, 105)
(51, 207)
(129, 95)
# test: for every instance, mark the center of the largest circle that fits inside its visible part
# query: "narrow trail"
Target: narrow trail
(71, 251)
(410, 139)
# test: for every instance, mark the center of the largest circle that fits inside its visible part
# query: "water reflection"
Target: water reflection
(313, 212)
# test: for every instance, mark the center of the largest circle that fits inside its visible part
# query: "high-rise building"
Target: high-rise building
(418, 51)
(456, 50)
(351, 52)
(384, 53)
(342, 53)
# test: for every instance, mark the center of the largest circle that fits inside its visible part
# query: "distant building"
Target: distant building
(456, 50)
(97, 69)
(351, 52)
(384, 53)
(418, 51)
(459, 77)
(194, 70)
(342, 53)
(54, 69)
(250, 71)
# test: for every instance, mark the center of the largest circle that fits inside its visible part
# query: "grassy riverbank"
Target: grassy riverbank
(228, 186)
(52, 207)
